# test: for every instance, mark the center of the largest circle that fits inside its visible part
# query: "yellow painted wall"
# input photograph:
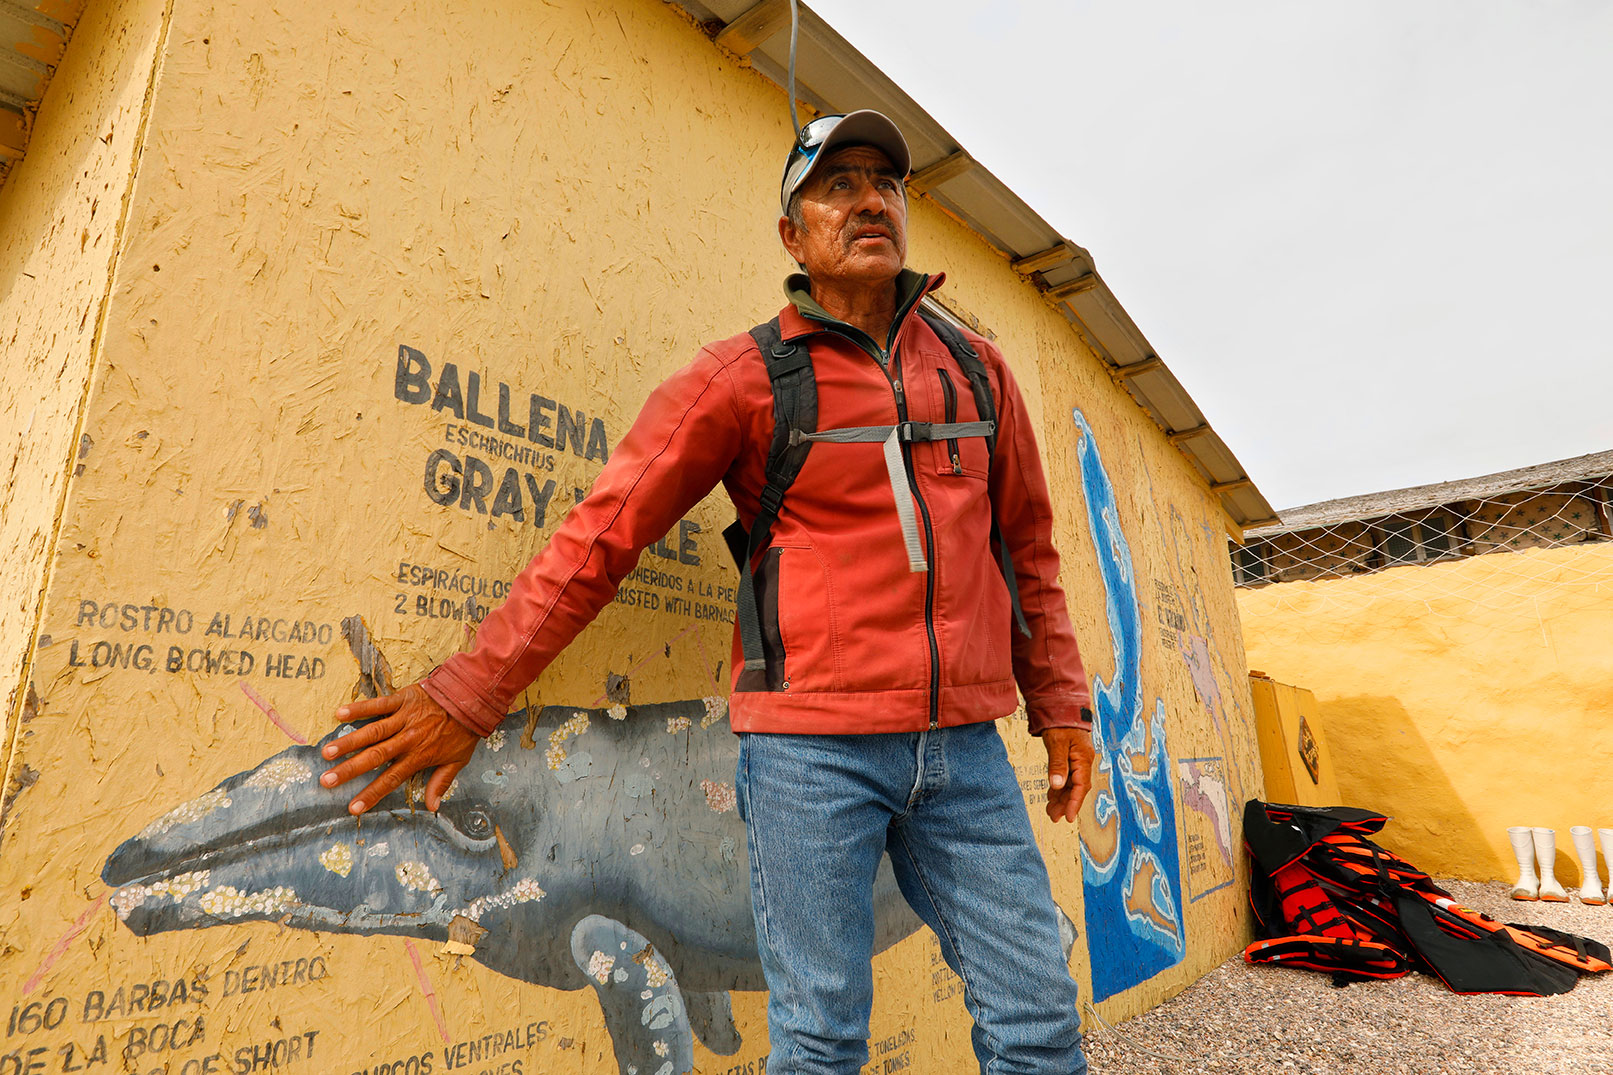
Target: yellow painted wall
(566, 200)
(1460, 697)
(61, 218)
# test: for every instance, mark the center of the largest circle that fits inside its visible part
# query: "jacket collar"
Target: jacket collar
(804, 316)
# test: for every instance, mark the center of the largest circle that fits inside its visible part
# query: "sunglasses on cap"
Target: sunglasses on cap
(864, 127)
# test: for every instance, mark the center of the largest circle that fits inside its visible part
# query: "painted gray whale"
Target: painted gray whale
(606, 853)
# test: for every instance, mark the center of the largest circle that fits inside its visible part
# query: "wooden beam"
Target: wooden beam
(931, 176)
(1227, 487)
(755, 26)
(1178, 437)
(1085, 282)
(1046, 259)
(1137, 369)
(13, 134)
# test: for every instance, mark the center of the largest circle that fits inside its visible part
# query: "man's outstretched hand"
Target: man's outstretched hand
(1069, 771)
(414, 733)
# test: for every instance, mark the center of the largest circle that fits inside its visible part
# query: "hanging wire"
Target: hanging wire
(795, 27)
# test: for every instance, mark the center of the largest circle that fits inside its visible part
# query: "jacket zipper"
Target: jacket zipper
(929, 548)
(887, 362)
(951, 395)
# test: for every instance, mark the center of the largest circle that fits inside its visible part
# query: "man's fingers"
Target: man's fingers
(1058, 758)
(382, 786)
(442, 778)
(371, 757)
(365, 708)
(359, 738)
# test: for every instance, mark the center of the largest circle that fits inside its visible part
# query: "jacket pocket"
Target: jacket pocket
(807, 622)
(959, 456)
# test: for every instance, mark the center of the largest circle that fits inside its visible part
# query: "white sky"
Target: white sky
(1374, 239)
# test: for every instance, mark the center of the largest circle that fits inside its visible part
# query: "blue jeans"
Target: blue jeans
(820, 811)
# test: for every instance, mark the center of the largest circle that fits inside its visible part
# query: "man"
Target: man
(886, 647)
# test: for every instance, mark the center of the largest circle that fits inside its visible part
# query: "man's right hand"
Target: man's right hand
(414, 733)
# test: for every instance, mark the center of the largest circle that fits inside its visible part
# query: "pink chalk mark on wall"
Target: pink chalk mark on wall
(426, 990)
(268, 709)
(62, 945)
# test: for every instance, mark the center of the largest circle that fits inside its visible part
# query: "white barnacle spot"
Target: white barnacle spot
(636, 849)
(719, 796)
(660, 1047)
(656, 972)
(185, 813)
(416, 876)
(495, 742)
(617, 712)
(556, 754)
(337, 858)
(674, 725)
(453, 789)
(646, 995)
(180, 886)
(716, 709)
(600, 966)
(378, 850)
(127, 898)
(279, 775)
(525, 890)
(227, 901)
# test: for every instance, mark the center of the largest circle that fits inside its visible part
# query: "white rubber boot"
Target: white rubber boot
(1606, 836)
(1590, 882)
(1551, 890)
(1523, 848)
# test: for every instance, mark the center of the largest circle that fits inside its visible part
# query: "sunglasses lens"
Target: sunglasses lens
(816, 131)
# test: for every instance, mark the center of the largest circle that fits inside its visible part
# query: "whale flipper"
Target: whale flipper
(643, 1007)
(711, 1017)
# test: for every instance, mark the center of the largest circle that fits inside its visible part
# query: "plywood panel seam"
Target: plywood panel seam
(14, 715)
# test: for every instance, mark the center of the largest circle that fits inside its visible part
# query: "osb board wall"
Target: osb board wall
(1146, 546)
(560, 202)
(1459, 698)
(61, 214)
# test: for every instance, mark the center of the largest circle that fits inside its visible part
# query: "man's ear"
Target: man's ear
(790, 237)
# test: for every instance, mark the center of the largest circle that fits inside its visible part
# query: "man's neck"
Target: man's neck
(871, 309)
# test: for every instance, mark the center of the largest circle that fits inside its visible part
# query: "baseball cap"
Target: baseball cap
(820, 138)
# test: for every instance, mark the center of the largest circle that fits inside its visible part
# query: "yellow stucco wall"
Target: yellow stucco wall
(61, 217)
(563, 200)
(1460, 697)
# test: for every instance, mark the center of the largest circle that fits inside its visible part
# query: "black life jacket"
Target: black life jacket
(795, 430)
(1327, 898)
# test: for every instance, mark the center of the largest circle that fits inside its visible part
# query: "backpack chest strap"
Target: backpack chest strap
(896, 468)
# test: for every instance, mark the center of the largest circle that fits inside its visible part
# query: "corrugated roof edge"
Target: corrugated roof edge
(832, 75)
(34, 37)
(1351, 509)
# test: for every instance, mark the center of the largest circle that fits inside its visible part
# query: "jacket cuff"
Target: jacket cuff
(461, 701)
(1072, 714)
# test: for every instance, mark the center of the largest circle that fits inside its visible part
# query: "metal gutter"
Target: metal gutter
(832, 76)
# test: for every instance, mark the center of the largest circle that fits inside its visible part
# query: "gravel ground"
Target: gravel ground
(1260, 1020)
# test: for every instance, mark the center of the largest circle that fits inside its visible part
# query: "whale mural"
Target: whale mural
(595, 847)
(1130, 864)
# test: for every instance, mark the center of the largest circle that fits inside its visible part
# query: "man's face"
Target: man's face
(854, 220)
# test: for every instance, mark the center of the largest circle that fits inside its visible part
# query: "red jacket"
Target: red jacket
(836, 593)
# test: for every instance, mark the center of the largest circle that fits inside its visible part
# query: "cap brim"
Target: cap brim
(864, 127)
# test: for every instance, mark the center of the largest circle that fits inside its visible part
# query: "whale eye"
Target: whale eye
(476, 824)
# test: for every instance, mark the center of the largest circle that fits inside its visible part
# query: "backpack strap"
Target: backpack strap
(795, 409)
(964, 354)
